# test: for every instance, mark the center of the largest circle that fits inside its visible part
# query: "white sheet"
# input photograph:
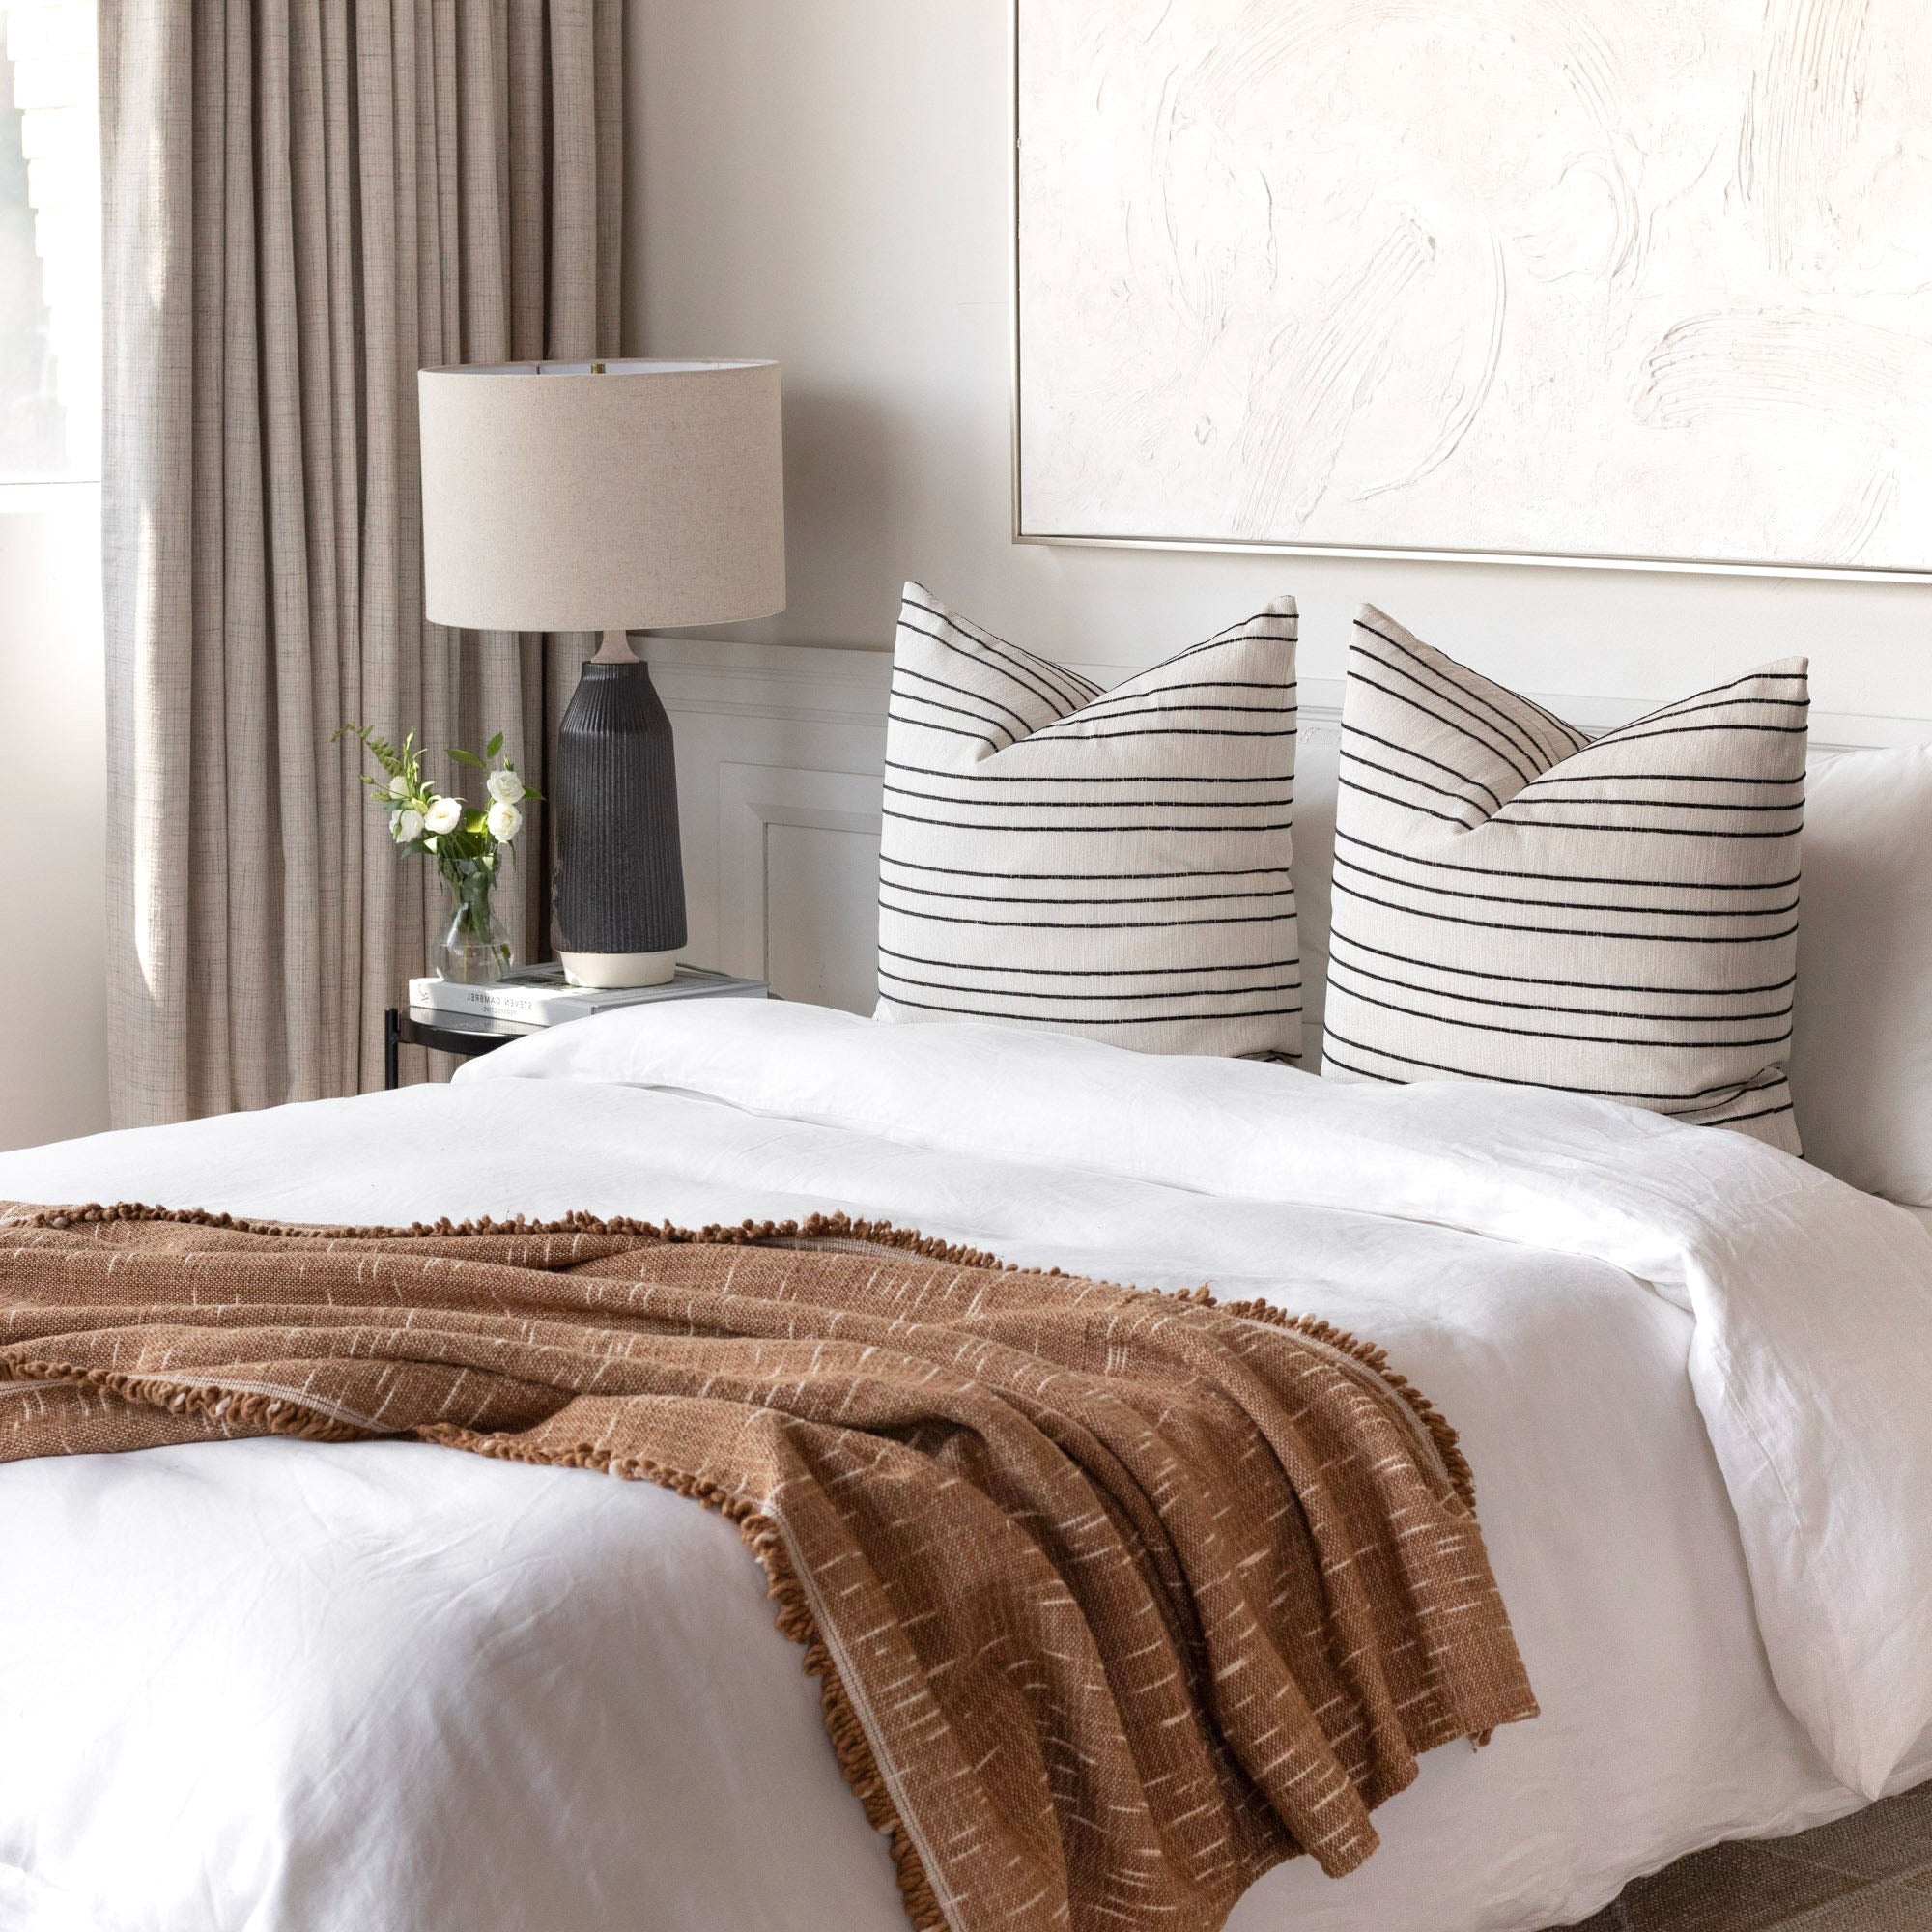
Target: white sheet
(385, 1685)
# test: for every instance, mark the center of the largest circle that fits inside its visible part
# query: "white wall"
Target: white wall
(53, 1001)
(827, 182)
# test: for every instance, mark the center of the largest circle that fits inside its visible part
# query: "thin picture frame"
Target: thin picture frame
(1021, 533)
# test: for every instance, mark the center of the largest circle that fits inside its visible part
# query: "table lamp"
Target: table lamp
(608, 496)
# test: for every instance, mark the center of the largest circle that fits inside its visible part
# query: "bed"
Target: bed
(277, 1685)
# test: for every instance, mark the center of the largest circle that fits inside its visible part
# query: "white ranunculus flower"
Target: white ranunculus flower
(505, 787)
(503, 820)
(445, 814)
(399, 786)
(407, 826)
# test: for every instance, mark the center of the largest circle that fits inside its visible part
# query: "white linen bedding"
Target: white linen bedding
(280, 1685)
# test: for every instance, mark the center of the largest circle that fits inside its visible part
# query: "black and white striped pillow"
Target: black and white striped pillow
(1113, 864)
(1516, 902)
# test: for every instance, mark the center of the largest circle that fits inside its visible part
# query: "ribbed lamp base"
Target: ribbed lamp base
(619, 878)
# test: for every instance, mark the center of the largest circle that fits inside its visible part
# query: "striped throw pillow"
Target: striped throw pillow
(1514, 900)
(1113, 864)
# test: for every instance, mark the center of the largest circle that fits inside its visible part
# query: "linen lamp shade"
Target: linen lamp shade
(555, 498)
(605, 496)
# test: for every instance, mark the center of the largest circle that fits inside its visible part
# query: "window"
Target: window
(49, 243)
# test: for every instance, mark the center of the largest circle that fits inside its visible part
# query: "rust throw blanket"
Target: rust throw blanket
(1117, 1597)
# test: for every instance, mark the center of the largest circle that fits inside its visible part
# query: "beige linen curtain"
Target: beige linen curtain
(305, 202)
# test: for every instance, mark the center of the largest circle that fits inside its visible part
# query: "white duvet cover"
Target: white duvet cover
(296, 1687)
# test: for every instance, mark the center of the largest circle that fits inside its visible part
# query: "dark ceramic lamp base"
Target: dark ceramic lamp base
(619, 877)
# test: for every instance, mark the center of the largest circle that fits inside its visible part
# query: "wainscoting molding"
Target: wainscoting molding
(798, 860)
(780, 754)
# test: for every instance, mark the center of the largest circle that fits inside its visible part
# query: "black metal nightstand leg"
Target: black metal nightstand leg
(393, 1057)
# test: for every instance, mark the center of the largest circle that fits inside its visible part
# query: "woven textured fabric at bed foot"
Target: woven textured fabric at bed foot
(1117, 1598)
(1514, 900)
(1113, 864)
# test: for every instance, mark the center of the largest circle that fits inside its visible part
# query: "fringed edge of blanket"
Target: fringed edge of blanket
(1374, 1356)
(817, 1228)
(814, 1227)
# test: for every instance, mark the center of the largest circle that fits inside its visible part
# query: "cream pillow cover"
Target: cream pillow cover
(1516, 902)
(1114, 863)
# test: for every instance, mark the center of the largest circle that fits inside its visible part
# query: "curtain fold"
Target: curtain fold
(306, 201)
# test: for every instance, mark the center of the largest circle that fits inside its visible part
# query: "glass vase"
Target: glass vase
(474, 950)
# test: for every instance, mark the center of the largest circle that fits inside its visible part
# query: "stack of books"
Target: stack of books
(541, 996)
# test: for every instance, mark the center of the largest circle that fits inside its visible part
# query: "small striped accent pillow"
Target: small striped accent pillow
(1114, 863)
(1514, 900)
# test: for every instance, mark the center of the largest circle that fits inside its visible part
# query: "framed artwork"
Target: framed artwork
(1635, 282)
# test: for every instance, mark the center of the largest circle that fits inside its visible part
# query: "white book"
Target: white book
(541, 996)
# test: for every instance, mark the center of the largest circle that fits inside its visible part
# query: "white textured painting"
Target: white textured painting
(1642, 281)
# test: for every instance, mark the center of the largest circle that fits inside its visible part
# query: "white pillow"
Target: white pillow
(1114, 863)
(1516, 902)
(1861, 1063)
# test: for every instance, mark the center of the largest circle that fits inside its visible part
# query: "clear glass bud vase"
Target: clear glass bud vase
(474, 950)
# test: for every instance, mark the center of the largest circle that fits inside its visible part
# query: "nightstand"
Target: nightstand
(540, 990)
(464, 1035)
